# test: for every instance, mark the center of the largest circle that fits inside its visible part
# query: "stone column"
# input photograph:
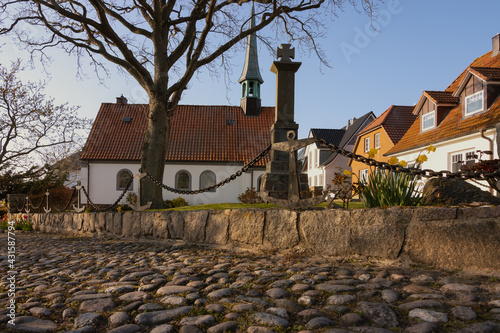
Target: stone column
(276, 179)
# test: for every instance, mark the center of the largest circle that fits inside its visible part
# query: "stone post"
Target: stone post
(276, 179)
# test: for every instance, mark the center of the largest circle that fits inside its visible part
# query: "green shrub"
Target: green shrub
(250, 196)
(177, 202)
(384, 188)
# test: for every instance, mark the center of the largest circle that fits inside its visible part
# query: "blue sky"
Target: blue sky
(419, 45)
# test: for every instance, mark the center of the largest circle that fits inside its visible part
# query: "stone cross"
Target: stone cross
(285, 53)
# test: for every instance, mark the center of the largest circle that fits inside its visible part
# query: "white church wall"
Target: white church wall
(103, 181)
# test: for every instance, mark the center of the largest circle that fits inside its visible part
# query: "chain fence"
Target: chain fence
(219, 184)
(426, 173)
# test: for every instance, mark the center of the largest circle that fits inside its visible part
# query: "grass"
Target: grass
(223, 206)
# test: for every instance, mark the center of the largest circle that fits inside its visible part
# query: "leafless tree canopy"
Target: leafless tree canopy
(30, 123)
(155, 38)
(162, 43)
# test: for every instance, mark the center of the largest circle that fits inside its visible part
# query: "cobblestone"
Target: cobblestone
(89, 284)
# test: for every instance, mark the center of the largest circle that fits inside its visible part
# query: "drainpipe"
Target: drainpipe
(490, 140)
(492, 191)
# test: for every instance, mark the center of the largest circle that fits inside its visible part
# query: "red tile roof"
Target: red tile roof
(486, 73)
(441, 97)
(395, 120)
(453, 125)
(198, 134)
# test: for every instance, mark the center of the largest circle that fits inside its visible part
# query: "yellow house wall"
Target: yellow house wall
(385, 145)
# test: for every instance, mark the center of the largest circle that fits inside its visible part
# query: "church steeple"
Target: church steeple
(250, 77)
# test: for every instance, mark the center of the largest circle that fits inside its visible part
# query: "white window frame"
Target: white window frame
(367, 145)
(377, 140)
(461, 156)
(426, 117)
(474, 95)
(363, 175)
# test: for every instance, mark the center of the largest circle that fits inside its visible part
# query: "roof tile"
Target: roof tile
(453, 125)
(198, 134)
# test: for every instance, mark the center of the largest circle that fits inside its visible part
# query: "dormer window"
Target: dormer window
(474, 103)
(428, 121)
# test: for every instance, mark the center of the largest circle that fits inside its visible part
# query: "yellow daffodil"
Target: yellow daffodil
(393, 160)
(347, 173)
(421, 159)
(431, 148)
(403, 163)
(372, 153)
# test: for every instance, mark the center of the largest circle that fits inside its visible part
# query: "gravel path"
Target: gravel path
(85, 284)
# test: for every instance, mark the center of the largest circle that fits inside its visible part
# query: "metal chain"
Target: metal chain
(99, 209)
(22, 207)
(219, 184)
(41, 202)
(67, 205)
(427, 173)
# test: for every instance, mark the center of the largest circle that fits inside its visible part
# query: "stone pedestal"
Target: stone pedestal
(276, 181)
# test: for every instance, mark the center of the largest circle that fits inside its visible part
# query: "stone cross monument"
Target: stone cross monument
(276, 181)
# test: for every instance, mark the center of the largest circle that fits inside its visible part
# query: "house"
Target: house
(459, 121)
(382, 134)
(207, 144)
(320, 162)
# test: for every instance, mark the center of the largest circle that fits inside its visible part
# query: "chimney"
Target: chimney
(121, 100)
(496, 45)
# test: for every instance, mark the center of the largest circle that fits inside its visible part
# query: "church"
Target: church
(207, 144)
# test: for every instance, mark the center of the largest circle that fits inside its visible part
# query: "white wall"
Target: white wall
(441, 158)
(103, 189)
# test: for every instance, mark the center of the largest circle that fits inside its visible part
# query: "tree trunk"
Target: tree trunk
(154, 151)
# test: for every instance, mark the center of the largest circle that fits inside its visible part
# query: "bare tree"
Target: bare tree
(31, 124)
(161, 44)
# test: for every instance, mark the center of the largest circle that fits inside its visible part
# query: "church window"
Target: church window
(250, 89)
(244, 90)
(183, 180)
(207, 179)
(122, 179)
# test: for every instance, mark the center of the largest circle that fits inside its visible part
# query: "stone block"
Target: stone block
(478, 212)
(217, 227)
(114, 223)
(77, 222)
(175, 225)
(68, 221)
(160, 227)
(147, 224)
(435, 213)
(131, 224)
(326, 231)
(280, 229)
(88, 222)
(470, 243)
(100, 222)
(194, 226)
(246, 226)
(379, 232)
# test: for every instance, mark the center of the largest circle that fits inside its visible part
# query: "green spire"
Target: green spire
(250, 77)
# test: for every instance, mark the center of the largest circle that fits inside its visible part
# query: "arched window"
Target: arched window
(122, 178)
(250, 88)
(259, 183)
(183, 180)
(207, 179)
(244, 90)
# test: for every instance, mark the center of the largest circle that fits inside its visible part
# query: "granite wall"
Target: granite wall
(448, 237)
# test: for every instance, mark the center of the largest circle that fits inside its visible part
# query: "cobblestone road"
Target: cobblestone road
(81, 284)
